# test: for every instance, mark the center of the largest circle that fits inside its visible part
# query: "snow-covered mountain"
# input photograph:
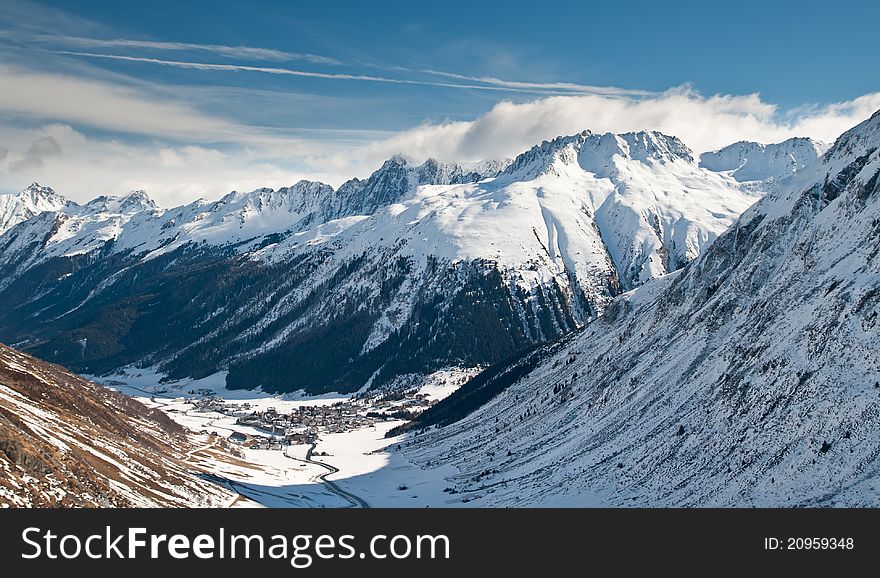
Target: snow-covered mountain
(32, 201)
(398, 177)
(749, 377)
(653, 208)
(764, 165)
(416, 268)
(67, 442)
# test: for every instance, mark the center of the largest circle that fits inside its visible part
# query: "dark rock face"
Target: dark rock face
(196, 311)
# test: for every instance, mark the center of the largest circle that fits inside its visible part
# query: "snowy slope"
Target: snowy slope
(417, 268)
(750, 377)
(584, 208)
(65, 441)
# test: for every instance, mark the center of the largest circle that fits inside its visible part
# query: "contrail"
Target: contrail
(502, 86)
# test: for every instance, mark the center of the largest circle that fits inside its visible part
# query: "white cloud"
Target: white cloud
(171, 174)
(270, 54)
(39, 150)
(74, 46)
(182, 153)
(703, 123)
(106, 106)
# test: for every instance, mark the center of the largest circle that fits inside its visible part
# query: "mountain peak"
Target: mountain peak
(861, 139)
(654, 145)
(399, 176)
(486, 168)
(35, 186)
(594, 152)
(137, 200)
(36, 194)
(748, 161)
(301, 197)
(397, 160)
(539, 158)
(304, 194)
(32, 201)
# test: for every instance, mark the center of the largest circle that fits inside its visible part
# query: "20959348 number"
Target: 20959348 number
(809, 543)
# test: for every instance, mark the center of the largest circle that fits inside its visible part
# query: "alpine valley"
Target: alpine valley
(604, 320)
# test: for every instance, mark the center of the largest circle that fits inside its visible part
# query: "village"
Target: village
(273, 429)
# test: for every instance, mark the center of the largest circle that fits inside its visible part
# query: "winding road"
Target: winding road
(355, 501)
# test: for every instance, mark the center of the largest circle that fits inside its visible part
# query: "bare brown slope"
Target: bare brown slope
(67, 442)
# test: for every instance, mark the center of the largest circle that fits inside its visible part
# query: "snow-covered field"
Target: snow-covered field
(141, 383)
(272, 479)
(385, 479)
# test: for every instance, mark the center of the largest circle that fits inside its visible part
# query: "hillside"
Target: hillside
(67, 442)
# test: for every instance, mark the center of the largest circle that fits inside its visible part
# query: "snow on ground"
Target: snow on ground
(272, 479)
(387, 479)
(283, 478)
(145, 383)
(212, 421)
(441, 384)
(384, 479)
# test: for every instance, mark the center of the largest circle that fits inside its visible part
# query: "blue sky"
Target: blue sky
(194, 99)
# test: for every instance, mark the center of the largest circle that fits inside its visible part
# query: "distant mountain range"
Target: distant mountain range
(416, 268)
